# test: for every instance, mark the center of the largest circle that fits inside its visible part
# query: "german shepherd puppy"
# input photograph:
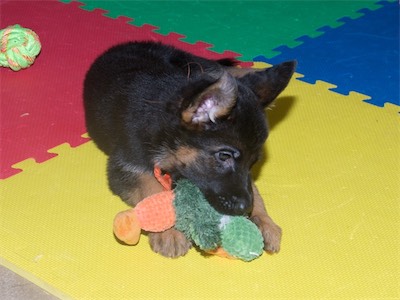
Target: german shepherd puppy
(149, 104)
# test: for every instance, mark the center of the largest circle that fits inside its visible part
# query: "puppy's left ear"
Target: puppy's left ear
(268, 84)
(208, 99)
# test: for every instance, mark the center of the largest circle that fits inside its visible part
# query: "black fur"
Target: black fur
(142, 104)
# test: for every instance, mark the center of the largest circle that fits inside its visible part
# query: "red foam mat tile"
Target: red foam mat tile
(41, 107)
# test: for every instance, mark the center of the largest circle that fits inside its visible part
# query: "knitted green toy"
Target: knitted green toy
(18, 47)
(187, 209)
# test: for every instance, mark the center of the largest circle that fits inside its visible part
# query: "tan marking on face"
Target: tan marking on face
(185, 155)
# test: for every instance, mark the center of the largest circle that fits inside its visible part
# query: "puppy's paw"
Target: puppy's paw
(271, 233)
(170, 243)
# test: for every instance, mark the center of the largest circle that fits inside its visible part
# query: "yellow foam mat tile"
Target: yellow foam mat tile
(330, 179)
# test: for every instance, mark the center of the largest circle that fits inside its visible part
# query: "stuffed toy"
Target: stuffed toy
(186, 209)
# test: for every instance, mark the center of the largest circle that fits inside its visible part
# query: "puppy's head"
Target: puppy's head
(221, 131)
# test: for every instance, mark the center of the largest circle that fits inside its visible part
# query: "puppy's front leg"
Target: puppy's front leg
(271, 232)
(169, 243)
(133, 187)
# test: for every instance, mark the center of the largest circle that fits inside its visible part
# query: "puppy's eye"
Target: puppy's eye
(224, 155)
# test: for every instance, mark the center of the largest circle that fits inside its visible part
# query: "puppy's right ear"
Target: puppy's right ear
(267, 84)
(208, 99)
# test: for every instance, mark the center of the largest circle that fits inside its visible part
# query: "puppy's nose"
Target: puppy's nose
(241, 206)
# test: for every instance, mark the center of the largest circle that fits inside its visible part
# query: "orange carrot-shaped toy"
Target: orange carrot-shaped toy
(147, 214)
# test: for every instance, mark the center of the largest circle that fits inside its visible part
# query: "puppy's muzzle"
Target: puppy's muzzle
(234, 205)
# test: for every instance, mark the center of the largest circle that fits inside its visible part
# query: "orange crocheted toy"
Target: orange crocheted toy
(147, 215)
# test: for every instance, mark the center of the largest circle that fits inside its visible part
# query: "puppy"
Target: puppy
(149, 104)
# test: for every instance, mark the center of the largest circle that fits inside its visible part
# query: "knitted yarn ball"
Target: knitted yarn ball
(18, 47)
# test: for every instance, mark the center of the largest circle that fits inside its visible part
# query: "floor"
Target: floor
(15, 287)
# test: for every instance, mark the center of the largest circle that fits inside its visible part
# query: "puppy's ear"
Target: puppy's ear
(241, 72)
(269, 83)
(208, 99)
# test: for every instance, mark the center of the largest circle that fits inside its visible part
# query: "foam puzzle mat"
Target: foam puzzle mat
(363, 50)
(330, 179)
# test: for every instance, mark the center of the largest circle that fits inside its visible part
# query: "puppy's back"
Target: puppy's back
(139, 78)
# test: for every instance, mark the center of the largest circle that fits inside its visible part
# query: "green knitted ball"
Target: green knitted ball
(242, 239)
(18, 47)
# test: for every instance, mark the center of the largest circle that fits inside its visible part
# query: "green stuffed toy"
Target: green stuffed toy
(186, 208)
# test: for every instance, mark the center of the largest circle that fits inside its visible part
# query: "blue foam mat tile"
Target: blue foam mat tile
(362, 55)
